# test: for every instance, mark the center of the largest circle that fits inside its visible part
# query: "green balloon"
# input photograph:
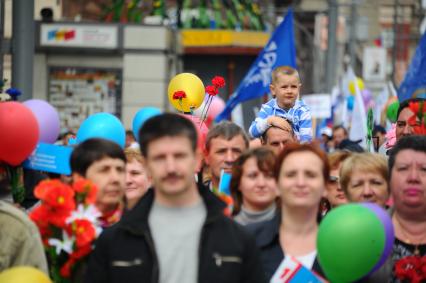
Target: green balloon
(392, 111)
(350, 242)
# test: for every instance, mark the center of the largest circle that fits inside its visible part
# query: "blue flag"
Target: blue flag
(414, 84)
(279, 51)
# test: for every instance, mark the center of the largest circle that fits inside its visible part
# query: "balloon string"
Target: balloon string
(207, 107)
(203, 113)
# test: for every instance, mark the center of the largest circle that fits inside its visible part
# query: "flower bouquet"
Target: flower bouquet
(68, 224)
(411, 269)
(418, 120)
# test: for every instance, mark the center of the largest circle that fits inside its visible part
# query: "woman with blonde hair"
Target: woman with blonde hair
(364, 178)
(137, 178)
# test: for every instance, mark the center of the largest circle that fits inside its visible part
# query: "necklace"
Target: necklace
(407, 238)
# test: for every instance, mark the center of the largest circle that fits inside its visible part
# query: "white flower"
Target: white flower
(90, 213)
(64, 245)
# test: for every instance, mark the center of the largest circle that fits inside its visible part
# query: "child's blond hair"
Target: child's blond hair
(285, 70)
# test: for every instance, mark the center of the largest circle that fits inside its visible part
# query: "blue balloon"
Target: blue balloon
(350, 102)
(141, 116)
(102, 125)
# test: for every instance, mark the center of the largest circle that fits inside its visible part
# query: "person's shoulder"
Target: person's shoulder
(301, 105)
(270, 103)
(15, 219)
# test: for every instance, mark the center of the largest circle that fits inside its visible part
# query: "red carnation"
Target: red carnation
(180, 94)
(218, 81)
(66, 268)
(84, 232)
(211, 90)
(44, 187)
(409, 268)
(81, 251)
(85, 191)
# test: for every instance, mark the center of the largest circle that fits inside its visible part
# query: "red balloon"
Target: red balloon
(19, 132)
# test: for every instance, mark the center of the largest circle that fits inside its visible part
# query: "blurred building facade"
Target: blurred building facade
(149, 45)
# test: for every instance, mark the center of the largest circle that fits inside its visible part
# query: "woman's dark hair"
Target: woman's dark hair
(265, 161)
(92, 150)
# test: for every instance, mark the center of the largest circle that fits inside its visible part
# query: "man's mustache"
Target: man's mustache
(171, 176)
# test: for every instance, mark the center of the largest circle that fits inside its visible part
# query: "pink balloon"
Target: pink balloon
(201, 127)
(216, 107)
(19, 132)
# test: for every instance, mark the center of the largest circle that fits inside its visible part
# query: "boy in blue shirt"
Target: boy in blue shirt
(285, 88)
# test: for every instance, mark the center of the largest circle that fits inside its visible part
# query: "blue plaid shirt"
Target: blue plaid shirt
(299, 115)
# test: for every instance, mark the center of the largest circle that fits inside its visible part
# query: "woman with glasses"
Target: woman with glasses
(335, 194)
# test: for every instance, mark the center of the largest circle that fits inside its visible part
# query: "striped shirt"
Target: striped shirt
(299, 115)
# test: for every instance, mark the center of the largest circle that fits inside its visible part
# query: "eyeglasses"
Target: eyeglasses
(333, 179)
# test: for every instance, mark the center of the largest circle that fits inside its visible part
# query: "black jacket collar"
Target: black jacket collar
(136, 220)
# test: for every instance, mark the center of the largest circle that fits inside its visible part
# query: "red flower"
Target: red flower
(81, 252)
(85, 191)
(180, 94)
(58, 217)
(418, 120)
(212, 90)
(55, 194)
(40, 216)
(66, 268)
(84, 232)
(218, 81)
(410, 268)
(45, 186)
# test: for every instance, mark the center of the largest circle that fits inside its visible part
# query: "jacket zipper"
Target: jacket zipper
(122, 263)
(202, 237)
(219, 259)
(147, 236)
(155, 277)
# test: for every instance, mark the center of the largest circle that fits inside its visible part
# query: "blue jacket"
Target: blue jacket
(299, 115)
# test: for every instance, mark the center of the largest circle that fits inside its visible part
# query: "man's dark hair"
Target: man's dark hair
(378, 129)
(227, 130)
(264, 137)
(92, 150)
(166, 125)
(414, 142)
(340, 127)
(406, 103)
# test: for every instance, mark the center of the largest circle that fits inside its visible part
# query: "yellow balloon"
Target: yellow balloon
(23, 274)
(193, 88)
(360, 84)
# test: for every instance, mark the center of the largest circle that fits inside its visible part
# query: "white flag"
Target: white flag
(358, 130)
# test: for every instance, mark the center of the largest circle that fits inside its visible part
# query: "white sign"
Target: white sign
(320, 105)
(374, 64)
(73, 35)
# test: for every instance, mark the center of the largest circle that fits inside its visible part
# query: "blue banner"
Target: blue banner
(279, 51)
(414, 84)
(50, 158)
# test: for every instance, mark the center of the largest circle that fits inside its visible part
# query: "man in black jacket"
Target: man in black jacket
(177, 232)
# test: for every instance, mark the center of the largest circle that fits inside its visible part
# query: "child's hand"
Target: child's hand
(275, 121)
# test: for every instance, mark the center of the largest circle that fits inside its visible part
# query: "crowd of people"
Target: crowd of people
(164, 220)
